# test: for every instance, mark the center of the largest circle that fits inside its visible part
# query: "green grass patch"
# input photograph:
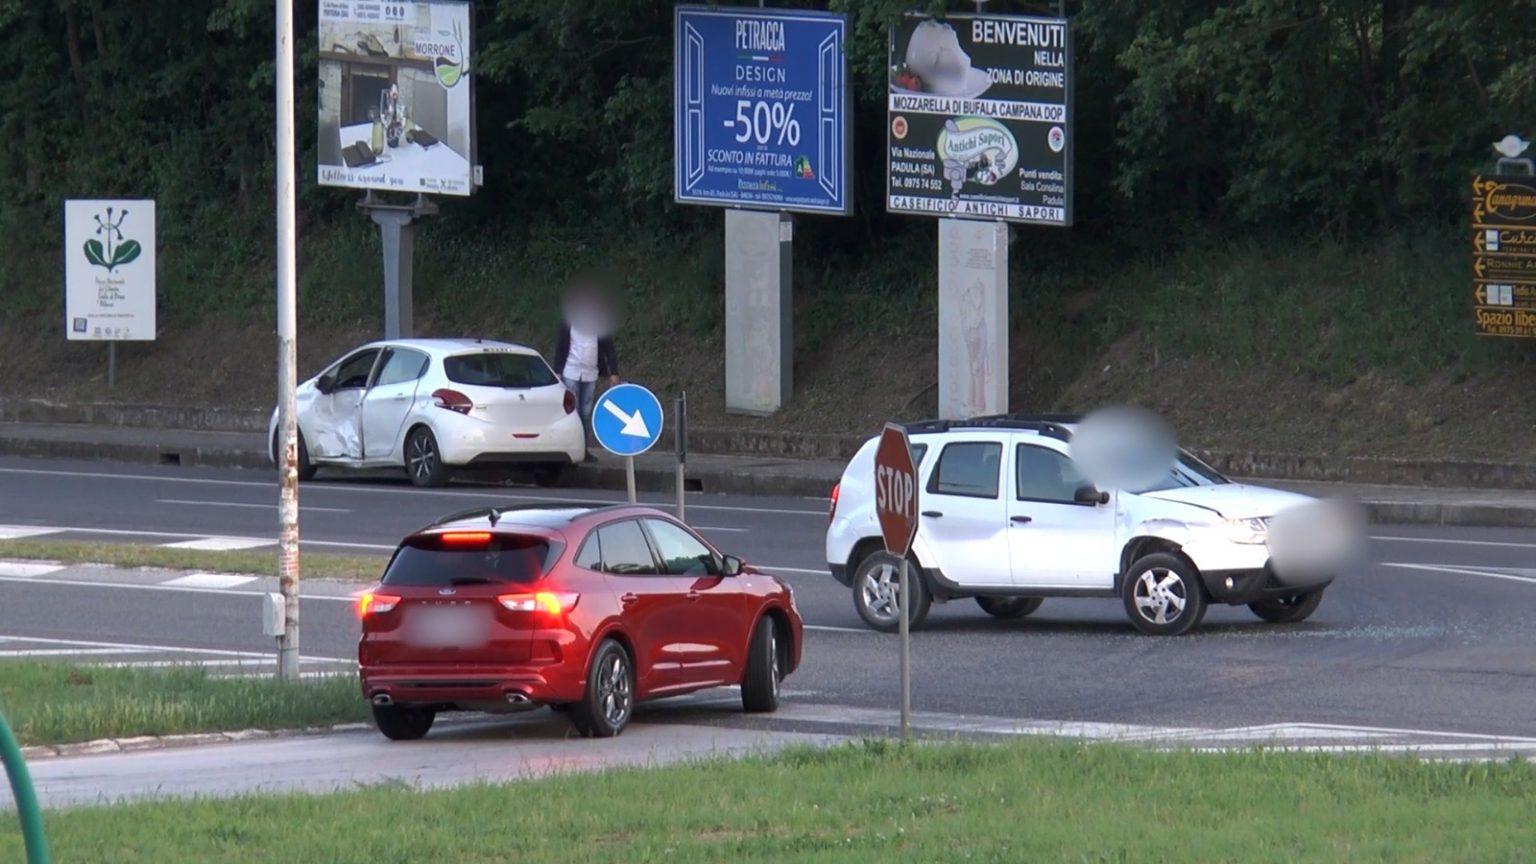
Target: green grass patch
(58, 703)
(315, 565)
(872, 802)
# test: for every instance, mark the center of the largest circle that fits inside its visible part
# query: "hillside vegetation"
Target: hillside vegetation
(1271, 200)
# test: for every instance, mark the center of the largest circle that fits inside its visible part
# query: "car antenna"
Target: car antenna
(494, 516)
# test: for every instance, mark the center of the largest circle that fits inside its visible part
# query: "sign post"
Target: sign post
(761, 114)
(287, 342)
(979, 133)
(109, 273)
(627, 421)
(1504, 255)
(896, 496)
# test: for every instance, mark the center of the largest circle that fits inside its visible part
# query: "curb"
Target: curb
(161, 742)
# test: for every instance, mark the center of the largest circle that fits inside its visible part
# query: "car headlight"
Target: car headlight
(1252, 531)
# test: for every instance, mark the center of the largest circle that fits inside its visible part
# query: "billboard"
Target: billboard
(396, 107)
(979, 121)
(1504, 255)
(109, 270)
(761, 109)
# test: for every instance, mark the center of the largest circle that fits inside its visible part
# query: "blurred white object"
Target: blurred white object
(1316, 540)
(1511, 146)
(1124, 447)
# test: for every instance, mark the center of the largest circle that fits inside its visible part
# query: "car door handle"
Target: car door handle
(1020, 520)
(693, 595)
(629, 599)
(401, 397)
(932, 514)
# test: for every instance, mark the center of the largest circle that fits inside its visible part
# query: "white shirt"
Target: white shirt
(581, 362)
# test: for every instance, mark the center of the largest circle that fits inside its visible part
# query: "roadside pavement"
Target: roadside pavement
(721, 474)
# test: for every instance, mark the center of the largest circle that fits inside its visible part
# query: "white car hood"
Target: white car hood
(1233, 500)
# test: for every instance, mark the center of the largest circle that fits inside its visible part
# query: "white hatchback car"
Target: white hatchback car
(430, 405)
(1007, 518)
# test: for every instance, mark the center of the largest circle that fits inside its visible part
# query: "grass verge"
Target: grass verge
(58, 703)
(1031, 801)
(261, 562)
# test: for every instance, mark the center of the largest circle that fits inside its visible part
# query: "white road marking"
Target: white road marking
(27, 571)
(830, 629)
(210, 580)
(1454, 542)
(168, 649)
(17, 532)
(1464, 571)
(255, 541)
(806, 570)
(135, 586)
(718, 528)
(488, 497)
(221, 544)
(71, 652)
(302, 507)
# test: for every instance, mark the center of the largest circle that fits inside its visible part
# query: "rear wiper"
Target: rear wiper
(469, 580)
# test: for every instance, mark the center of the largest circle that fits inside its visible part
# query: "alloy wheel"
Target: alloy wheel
(1161, 595)
(423, 456)
(613, 690)
(881, 589)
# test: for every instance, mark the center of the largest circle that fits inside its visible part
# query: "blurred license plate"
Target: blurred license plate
(447, 627)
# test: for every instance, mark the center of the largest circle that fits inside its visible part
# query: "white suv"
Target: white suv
(430, 405)
(1007, 518)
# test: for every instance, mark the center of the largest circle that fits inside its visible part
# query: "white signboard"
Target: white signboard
(395, 96)
(109, 270)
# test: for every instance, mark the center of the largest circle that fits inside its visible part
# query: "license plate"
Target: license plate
(447, 627)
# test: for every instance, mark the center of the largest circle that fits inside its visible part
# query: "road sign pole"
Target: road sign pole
(906, 654)
(629, 476)
(680, 425)
(287, 361)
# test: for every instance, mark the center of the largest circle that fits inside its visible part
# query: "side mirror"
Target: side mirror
(1090, 495)
(325, 384)
(731, 566)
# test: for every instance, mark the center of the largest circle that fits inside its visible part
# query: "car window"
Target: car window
(499, 369)
(918, 452)
(1043, 474)
(681, 553)
(968, 468)
(427, 561)
(625, 550)
(400, 366)
(352, 373)
(591, 555)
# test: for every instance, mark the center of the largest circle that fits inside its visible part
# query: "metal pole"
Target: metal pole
(32, 836)
(629, 476)
(111, 364)
(906, 655)
(681, 427)
(287, 361)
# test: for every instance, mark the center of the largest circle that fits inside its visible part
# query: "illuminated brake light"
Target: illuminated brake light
(832, 510)
(453, 400)
(375, 604)
(465, 538)
(544, 601)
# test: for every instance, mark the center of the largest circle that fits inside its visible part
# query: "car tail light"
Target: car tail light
(463, 539)
(375, 604)
(551, 602)
(832, 510)
(453, 400)
(570, 402)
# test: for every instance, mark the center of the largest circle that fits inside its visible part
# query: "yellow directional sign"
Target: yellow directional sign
(1504, 256)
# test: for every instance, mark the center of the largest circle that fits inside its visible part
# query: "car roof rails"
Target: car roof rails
(494, 513)
(1048, 428)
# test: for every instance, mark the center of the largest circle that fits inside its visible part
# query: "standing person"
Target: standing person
(584, 351)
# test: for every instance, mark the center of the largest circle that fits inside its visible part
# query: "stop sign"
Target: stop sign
(895, 490)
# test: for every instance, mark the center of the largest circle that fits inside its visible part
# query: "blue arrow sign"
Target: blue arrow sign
(627, 420)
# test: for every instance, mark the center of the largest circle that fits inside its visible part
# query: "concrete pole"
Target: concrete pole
(759, 324)
(973, 318)
(287, 359)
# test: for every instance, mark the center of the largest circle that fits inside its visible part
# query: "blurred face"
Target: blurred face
(590, 309)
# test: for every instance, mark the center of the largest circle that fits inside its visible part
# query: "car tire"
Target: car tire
(609, 702)
(876, 590)
(423, 459)
(1163, 595)
(760, 684)
(307, 468)
(548, 476)
(403, 723)
(1008, 608)
(1290, 609)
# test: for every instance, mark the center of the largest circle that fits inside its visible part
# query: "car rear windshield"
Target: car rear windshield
(500, 369)
(467, 559)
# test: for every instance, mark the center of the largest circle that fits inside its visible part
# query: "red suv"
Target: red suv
(584, 610)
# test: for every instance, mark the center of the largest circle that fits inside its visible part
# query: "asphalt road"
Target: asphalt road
(1433, 634)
